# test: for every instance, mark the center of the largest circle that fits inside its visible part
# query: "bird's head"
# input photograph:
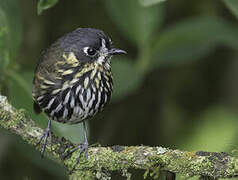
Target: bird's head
(89, 45)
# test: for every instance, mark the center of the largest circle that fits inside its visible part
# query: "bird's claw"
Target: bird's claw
(44, 137)
(83, 148)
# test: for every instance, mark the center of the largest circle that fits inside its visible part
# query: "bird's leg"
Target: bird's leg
(83, 147)
(44, 137)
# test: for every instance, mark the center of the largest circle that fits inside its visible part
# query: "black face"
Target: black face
(85, 43)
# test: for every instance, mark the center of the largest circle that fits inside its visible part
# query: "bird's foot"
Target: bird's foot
(44, 137)
(83, 148)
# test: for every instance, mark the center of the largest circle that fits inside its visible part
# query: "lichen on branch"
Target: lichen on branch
(103, 160)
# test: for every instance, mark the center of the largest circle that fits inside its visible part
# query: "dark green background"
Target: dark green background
(177, 87)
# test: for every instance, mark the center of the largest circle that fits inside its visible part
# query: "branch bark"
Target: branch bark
(103, 160)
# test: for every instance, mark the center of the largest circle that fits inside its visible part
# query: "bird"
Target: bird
(73, 81)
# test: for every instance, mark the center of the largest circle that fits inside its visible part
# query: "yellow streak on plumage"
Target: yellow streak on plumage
(39, 77)
(69, 71)
(109, 73)
(55, 91)
(85, 83)
(71, 59)
(97, 82)
(57, 77)
(48, 82)
(99, 76)
(108, 85)
(105, 89)
(43, 86)
(93, 73)
(60, 70)
(60, 62)
(74, 80)
(84, 70)
(106, 77)
(65, 85)
(93, 87)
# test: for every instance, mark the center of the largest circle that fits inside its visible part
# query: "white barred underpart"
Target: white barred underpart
(79, 113)
(91, 95)
(78, 103)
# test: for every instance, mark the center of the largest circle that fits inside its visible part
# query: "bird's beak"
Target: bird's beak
(114, 51)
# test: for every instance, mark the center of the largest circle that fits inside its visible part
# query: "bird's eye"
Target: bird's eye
(91, 51)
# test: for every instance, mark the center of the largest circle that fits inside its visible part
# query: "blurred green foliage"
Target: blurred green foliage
(177, 86)
(192, 39)
(45, 4)
(232, 5)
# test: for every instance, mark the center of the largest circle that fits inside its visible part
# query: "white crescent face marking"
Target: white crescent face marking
(85, 50)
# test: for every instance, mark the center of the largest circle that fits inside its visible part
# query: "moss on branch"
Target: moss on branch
(103, 160)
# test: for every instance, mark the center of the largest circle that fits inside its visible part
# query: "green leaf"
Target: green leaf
(193, 39)
(126, 78)
(44, 5)
(138, 23)
(4, 38)
(216, 130)
(10, 30)
(10, 36)
(232, 5)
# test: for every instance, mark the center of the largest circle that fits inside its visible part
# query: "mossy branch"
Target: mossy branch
(103, 160)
